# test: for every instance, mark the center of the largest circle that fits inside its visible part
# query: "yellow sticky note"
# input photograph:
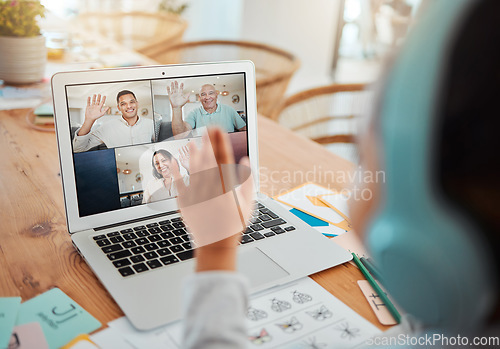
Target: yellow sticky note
(81, 342)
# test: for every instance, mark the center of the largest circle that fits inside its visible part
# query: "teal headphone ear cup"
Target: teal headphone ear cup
(435, 269)
(390, 245)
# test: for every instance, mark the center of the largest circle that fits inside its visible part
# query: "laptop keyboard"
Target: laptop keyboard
(155, 245)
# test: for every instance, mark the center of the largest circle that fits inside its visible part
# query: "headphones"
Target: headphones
(435, 263)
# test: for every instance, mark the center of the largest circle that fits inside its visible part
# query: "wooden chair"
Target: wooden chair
(327, 115)
(273, 67)
(138, 30)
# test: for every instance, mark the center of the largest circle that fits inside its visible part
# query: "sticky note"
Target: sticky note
(312, 221)
(81, 342)
(28, 336)
(302, 199)
(110, 338)
(378, 307)
(61, 318)
(9, 307)
(45, 110)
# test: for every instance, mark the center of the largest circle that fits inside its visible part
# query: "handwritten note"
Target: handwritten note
(377, 305)
(61, 318)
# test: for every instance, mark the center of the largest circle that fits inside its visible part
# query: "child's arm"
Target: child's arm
(216, 297)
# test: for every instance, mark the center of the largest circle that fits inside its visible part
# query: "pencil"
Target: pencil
(392, 309)
(372, 269)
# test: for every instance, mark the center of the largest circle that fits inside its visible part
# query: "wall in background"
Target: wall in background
(213, 19)
(306, 29)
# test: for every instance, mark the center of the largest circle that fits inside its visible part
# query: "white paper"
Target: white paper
(339, 201)
(330, 230)
(158, 338)
(19, 92)
(22, 97)
(297, 315)
(302, 314)
(110, 338)
(298, 198)
(19, 103)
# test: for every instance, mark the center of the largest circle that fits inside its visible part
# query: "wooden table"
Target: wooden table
(36, 252)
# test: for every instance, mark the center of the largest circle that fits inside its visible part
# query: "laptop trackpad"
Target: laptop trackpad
(259, 268)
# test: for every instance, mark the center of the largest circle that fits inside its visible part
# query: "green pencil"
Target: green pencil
(392, 309)
(372, 269)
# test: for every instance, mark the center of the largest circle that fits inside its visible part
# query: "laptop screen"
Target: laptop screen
(127, 135)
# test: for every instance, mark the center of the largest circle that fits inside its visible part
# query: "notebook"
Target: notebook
(113, 201)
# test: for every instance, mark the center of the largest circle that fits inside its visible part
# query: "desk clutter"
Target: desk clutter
(47, 321)
(299, 314)
(323, 209)
(327, 211)
(44, 115)
(23, 97)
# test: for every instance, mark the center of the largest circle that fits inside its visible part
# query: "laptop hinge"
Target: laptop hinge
(136, 220)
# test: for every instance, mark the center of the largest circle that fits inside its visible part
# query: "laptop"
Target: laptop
(139, 248)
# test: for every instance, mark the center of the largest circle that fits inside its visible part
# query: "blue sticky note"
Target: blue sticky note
(311, 220)
(61, 318)
(9, 307)
(45, 110)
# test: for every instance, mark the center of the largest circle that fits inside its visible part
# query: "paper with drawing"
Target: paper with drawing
(300, 314)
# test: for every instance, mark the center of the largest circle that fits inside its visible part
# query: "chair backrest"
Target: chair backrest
(165, 131)
(325, 114)
(273, 67)
(140, 30)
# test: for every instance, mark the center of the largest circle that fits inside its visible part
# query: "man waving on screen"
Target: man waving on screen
(210, 113)
(128, 130)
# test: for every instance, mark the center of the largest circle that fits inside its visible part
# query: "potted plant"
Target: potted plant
(23, 54)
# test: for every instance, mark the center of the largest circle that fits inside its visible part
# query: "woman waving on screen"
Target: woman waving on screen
(166, 171)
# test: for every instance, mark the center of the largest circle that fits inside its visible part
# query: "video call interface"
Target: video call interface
(128, 136)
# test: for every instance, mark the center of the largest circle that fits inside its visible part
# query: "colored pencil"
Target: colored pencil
(372, 269)
(392, 309)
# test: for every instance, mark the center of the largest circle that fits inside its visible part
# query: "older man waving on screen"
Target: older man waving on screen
(210, 113)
